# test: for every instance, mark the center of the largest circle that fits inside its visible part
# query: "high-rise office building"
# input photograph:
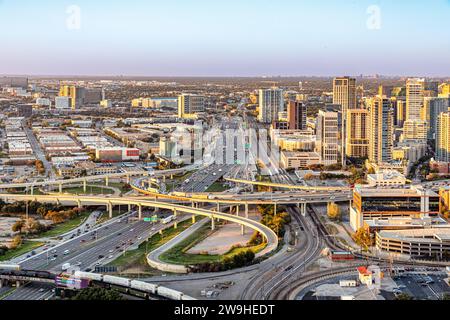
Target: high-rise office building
(443, 138)
(296, 115)
(381, 130)
(271, 102)
(190, 104)
(414, 98)
(400, 111)
(76, 94)
(344, 93)
(328, 133)
(432, 108)
(357, 136)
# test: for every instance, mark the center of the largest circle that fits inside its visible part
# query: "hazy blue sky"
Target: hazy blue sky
(218, 37)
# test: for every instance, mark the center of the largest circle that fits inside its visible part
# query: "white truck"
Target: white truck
(65, 266)
(168, 220)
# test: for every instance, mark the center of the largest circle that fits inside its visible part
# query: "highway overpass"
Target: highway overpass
(106, 178)
(75, 200)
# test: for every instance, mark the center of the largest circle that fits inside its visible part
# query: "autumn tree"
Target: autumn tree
(362, 238)
(334, 211)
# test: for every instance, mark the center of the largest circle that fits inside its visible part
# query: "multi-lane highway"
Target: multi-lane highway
(96, 247)
(31, 292)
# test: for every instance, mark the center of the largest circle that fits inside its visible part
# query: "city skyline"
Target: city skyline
(234, 39)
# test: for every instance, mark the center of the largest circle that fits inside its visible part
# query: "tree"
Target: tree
(98, 294)
(18, 226)
(334, 211)
(16, 242)
(362, 238)
(403, 296)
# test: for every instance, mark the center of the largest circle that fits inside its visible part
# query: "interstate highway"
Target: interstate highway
(84, 251)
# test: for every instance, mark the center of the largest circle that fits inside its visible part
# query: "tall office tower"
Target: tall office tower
(76, 94)
(189, 105)
(328, 133)
(344, 93)
(415, 130)
(271, 102)
(443, 138)
(381, 130)
(296, 115)
(357, 137)
(432, 108)
(414, 98)
(400, 110)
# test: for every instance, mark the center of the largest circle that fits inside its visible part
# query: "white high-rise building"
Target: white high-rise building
(328, 133)
(414, 98)
(271, 102)
(381, 130)
(190, 104)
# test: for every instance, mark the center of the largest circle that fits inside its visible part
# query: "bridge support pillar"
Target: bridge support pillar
(303, 209)
(32, 190)
(213, 223)
(140, 211)
(110, 210)
(246, 210)
(218, 207)
(79, 204)
(18, 284)
(237, 210)
(164, 179)
(60, 188)
(175, 225)
(1, 283)
(107, 181)
(128, 179)
(193, 219)
(175, 213)
(275, 209)
(84, 186)
(171, 177)
(129, 208)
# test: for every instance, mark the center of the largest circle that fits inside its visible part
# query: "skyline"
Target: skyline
(203, 39)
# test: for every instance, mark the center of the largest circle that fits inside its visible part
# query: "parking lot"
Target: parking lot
(422, 286)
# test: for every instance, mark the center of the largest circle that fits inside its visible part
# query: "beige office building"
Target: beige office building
(189, 105)
(357, 136)
(443, 138)
(328, 142)
(414, 98)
